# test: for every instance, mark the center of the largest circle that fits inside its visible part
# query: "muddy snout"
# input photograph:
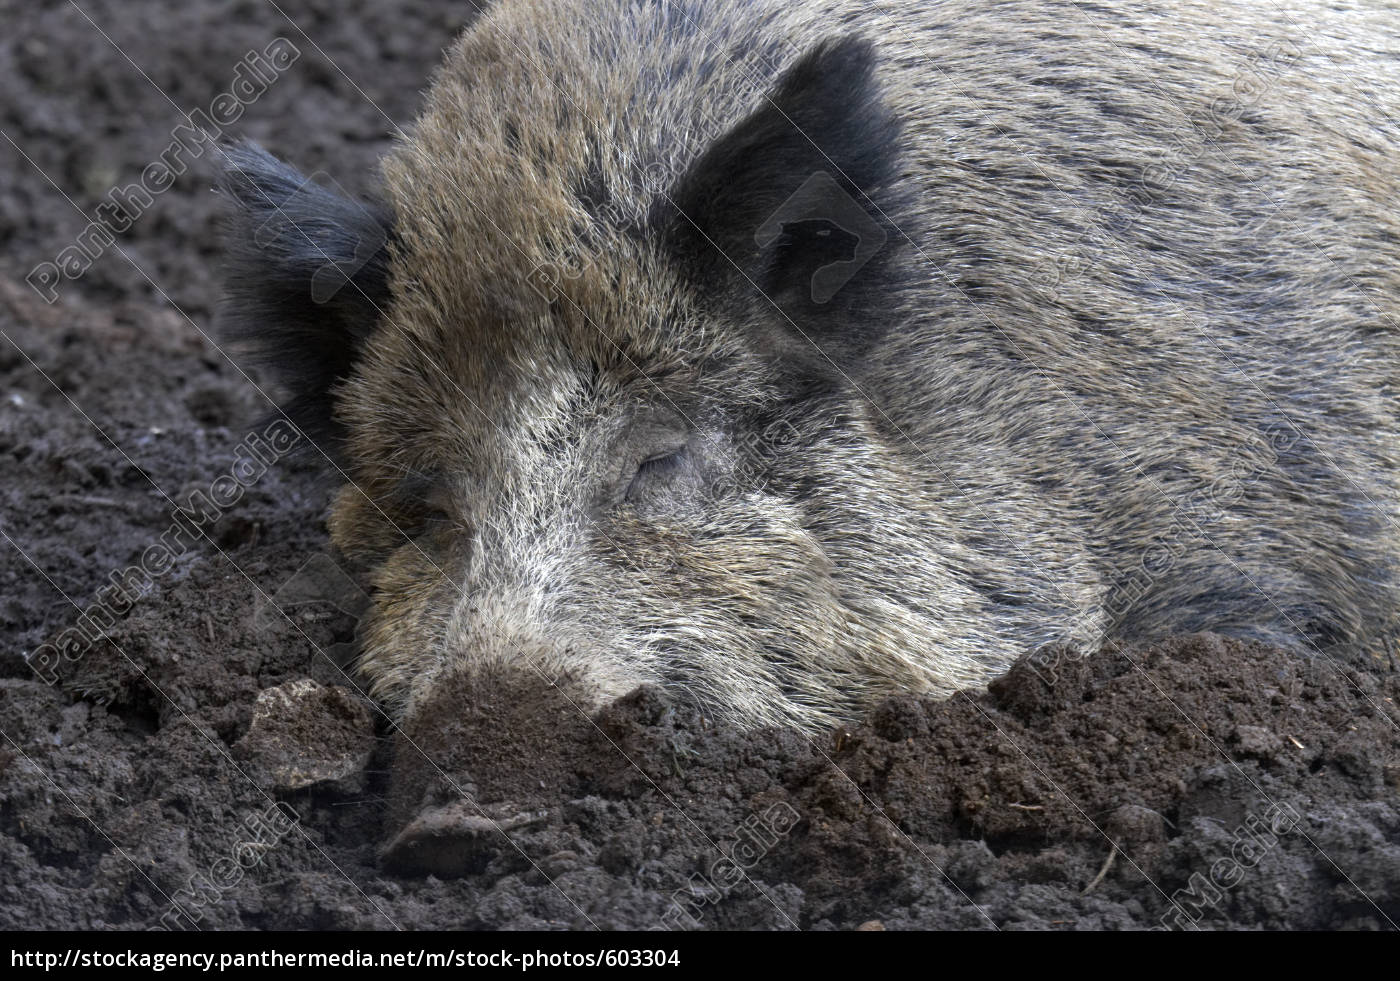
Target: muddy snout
(486, 756)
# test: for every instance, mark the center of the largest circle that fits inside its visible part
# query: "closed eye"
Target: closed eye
(654, 469)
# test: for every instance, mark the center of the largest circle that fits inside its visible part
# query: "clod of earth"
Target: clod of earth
(306, 735)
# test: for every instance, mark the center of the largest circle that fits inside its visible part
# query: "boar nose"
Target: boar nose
(485, 757)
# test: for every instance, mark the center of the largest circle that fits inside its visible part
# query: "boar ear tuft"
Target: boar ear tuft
(306, 278)
(790, 209)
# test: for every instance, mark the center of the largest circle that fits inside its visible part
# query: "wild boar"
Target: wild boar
(792, 354)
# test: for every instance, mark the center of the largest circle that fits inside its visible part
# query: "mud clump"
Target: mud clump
(306, 735)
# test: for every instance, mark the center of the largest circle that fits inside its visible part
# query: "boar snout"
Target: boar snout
(486, 753)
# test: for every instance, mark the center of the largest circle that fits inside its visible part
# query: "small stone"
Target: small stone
(305, 734)
(453, 840)
(1256, 741)
(870, 926)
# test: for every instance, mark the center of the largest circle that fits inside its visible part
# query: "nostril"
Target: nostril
(455, 839)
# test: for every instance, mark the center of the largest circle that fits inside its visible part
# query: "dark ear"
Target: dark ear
(791, 209)
(306, 278)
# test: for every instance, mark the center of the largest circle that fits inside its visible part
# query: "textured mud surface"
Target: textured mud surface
(1200, 781)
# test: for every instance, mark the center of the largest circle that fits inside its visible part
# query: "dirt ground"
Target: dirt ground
(1202, 782)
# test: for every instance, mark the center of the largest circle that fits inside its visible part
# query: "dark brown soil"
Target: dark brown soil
(1200, 781)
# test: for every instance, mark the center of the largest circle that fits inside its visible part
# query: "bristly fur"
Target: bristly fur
(664, 430)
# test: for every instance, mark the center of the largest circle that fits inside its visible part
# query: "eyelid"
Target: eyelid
(649, 465)
(662, 455)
